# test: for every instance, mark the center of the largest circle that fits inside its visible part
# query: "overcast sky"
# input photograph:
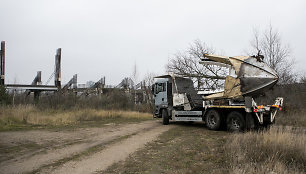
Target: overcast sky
(107, 37)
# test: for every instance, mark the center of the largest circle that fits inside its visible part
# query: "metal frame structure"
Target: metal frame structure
(36, 85)
(140, 91)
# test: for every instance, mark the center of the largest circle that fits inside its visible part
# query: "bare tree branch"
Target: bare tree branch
(303, 79)
(277, 55)
(187, 65)
(149, 79)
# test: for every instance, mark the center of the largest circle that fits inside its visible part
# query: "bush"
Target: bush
(292, 118)
(294, 96)
(114, 99)
(293, 112)
(5, 99)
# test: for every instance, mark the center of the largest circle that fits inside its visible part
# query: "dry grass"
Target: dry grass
(30, 115)
(187, 148)
(278, 150)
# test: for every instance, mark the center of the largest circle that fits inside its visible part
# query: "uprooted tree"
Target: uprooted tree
(186, 64)
(276, 53)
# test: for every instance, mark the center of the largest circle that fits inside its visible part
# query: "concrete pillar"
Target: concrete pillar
(2, 63)
(57, 77)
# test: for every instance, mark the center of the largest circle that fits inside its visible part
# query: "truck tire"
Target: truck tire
(165, 117)
(235, 121)
(213, 119)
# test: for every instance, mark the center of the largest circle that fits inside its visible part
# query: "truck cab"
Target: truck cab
(176, 99)
(162, 95)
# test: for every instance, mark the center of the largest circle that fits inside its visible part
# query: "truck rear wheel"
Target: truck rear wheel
(213, 119)
(235, 121)
(165, 117)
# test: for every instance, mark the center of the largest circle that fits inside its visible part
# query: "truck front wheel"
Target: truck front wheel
(213, 119)
(165, 117)
(235, 121)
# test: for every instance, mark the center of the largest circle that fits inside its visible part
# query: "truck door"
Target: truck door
(161, 94)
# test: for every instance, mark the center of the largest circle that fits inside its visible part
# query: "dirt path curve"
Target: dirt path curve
(113, 153)
(81, 140)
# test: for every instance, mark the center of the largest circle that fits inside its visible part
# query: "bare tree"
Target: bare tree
(186, 64)
(276, 54)
(149, 79)
(303, 79)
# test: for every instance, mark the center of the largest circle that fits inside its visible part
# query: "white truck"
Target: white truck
(234, 108)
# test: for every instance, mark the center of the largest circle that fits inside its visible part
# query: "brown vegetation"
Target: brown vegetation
(293, 112)
(278, 150)
(69, 109)
(294, 119)
(29, 116)
(114, 99)
(191, 148)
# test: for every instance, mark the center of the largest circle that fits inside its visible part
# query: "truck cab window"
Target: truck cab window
(160, 87)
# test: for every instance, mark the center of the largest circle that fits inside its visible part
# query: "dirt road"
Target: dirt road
(84, 150)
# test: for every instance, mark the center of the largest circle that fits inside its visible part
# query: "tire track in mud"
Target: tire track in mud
(101, 136)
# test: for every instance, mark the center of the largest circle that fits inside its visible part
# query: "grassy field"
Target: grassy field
(187, 148)
(279, 150)
(29, 117)
(191, 148)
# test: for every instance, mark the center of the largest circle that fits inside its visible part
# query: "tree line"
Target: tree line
(268, 43)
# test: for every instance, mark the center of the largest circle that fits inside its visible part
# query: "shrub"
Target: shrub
(5, 99)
